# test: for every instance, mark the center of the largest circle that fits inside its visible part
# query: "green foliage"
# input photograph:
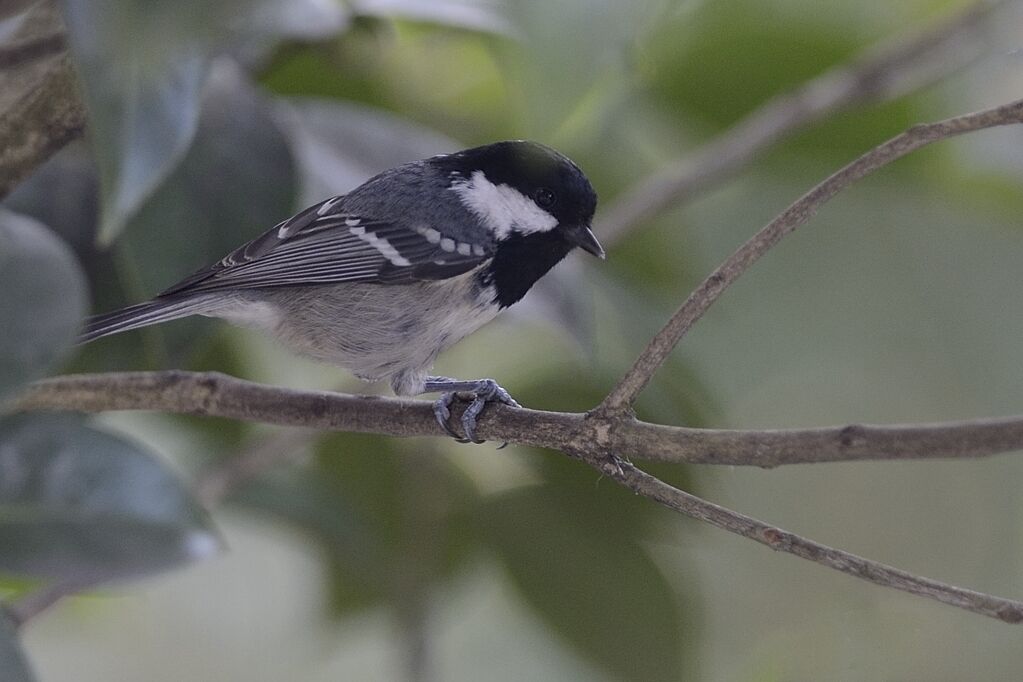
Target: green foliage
(391, 519)
(79, 504)
(143, 67)
(45, 303)
(596, 586)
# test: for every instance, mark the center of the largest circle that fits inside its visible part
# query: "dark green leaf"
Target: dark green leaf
(391, 518)
(143, 65)
(44, 300)
(13, 664)
(597, 588)
(236, 181)
(690, 55)
(81, 504)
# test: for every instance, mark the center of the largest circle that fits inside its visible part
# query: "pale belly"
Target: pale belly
(375, 331)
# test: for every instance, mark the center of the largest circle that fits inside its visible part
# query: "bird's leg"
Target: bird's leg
(482, 390)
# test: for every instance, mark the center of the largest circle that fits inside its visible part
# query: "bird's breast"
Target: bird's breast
(378, 330)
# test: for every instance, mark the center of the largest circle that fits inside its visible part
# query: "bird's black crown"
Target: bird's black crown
(550, 178)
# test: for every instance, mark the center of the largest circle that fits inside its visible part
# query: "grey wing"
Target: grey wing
(323, 244)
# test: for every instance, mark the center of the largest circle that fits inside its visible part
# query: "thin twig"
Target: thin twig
(644, 484)
(653, 356)
(885, 72)
(219, 395)
(40, 108)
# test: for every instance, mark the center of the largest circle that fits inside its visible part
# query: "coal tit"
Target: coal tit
(384, 278)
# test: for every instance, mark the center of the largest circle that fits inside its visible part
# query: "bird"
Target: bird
(382, 279)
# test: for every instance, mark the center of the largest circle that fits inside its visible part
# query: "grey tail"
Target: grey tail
(141, 315)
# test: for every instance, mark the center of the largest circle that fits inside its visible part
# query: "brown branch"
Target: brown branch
(219, 395)
(653, 356)
(40, 107)
(1008, 610)
(885, 72)
(593, 440)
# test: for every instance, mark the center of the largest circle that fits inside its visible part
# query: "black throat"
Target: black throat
(520, 261)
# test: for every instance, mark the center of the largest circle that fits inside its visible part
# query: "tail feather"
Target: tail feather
(140, 315)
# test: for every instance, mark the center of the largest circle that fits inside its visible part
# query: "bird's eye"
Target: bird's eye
(544, 197)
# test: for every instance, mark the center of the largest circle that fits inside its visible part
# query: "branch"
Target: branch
(885, 72)
(653, 356)
(644, 484)
(591, 439)
(40, 108)
(219, 395)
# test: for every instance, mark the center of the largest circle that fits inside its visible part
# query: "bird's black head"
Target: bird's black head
(536, 203)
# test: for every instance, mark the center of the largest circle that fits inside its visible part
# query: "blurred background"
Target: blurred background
(357, 557)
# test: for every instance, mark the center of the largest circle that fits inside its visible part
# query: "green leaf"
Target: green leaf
(143, 65)
(598, 589)
(13, 664)
(81, 504)
(391, 517)
(690, 55)
(236, 181)
(44, 301)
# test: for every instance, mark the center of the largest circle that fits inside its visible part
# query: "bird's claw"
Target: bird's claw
(486, 390)
(442, 412)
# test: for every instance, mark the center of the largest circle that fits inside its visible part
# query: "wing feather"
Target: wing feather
(323, 244)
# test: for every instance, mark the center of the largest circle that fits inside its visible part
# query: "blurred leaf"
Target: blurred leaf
(338, 146)
(236, 181)
(480, 15)
(13, 664)
(143, 65)
(412, 501)
(691, 54)
(391, 518)
(563, 78)
(80, 504)
(44, 301)
(597, 588)
(71, 175)
(356, 556)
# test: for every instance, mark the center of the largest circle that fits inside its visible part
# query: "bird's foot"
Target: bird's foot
(479, 392)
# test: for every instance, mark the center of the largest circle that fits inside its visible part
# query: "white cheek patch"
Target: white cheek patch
(502, 208)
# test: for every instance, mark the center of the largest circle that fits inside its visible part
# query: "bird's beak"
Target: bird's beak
(583, 237)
